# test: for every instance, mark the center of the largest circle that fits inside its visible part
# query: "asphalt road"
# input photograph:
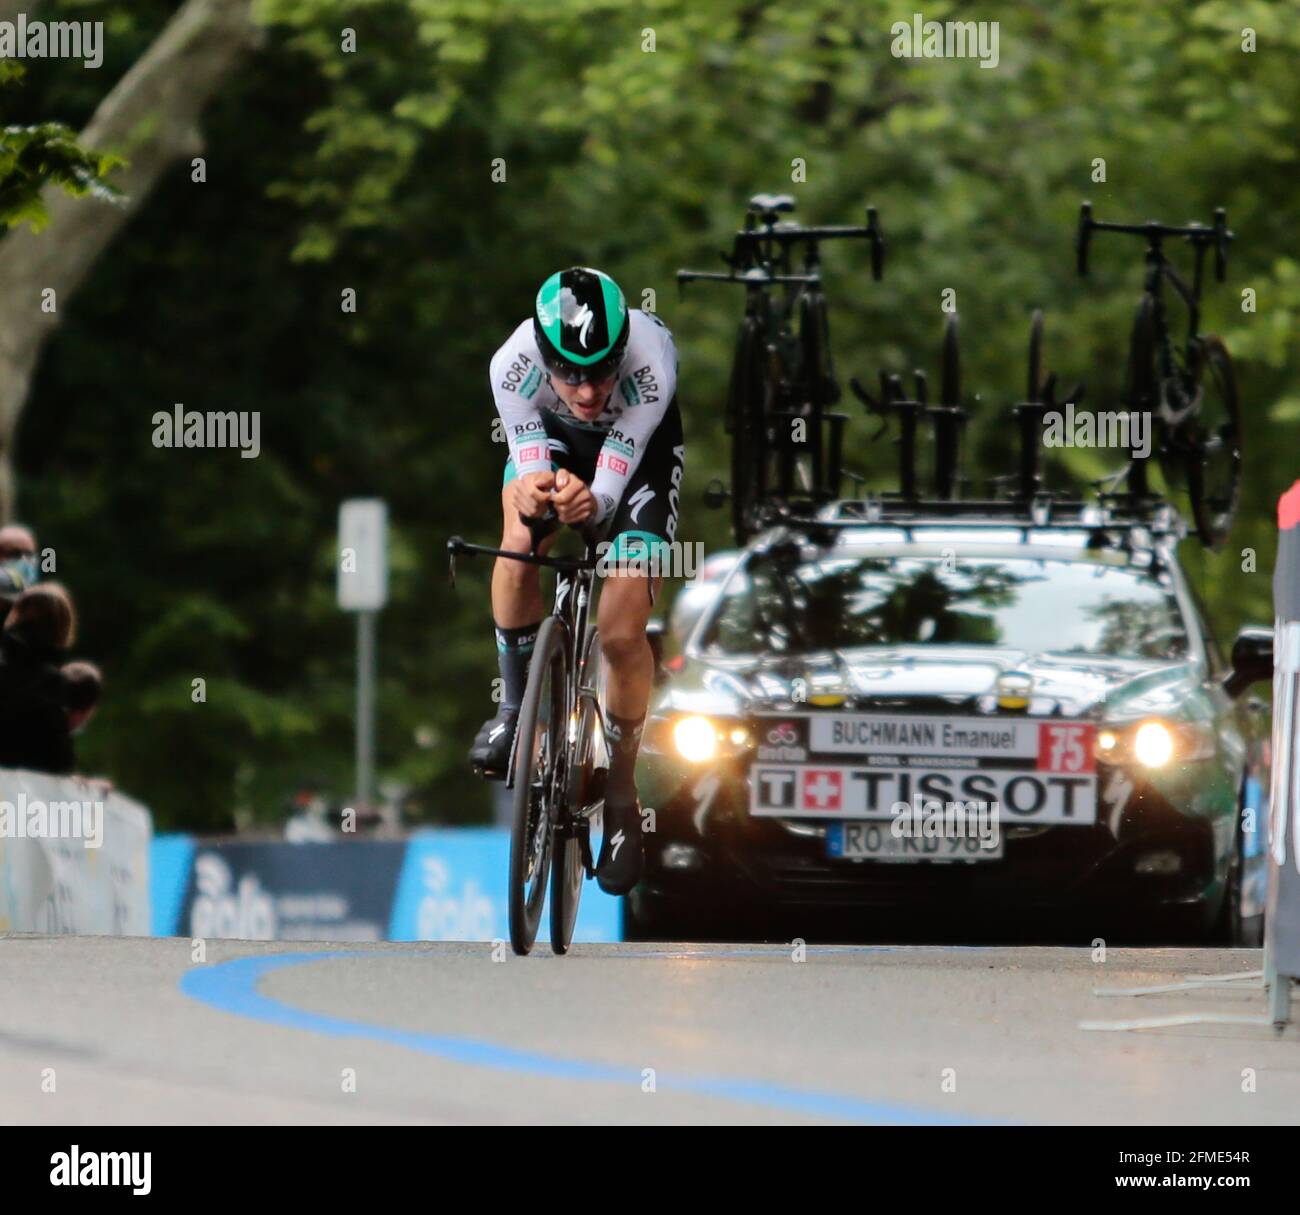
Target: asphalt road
(132, 1031)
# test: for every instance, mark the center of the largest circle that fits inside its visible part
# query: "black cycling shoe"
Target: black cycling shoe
(622, 855)
(490, 754)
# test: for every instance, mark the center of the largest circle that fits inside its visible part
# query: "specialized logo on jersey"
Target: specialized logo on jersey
(615, 843)
(638, 500)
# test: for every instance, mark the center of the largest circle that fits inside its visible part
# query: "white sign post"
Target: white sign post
(363, 588)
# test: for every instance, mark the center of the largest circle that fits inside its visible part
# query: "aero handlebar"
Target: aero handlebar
(1199, 236)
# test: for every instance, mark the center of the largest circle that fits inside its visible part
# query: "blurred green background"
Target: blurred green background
(373, 170)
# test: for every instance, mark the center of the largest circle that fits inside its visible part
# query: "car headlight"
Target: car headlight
(1154, 743)
(696, 739)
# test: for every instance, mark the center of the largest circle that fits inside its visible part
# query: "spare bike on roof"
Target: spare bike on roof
(1188, 390)
(786, 443)
(947, 418)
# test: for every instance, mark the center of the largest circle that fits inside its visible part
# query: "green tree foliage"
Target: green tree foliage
(380, 169)
(40, 155)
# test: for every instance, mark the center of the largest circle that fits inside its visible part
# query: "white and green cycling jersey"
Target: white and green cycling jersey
(647, 382)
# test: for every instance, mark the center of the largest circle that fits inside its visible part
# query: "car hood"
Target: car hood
(930, 679)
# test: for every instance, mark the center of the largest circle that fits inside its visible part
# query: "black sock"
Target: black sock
(623, 734)
(514, 649)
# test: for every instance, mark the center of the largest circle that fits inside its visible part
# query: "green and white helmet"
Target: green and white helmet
(581, 325)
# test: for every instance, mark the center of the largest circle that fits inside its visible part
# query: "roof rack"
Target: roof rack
(1113, 521)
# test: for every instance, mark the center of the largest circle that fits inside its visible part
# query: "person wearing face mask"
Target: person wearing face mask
(18, 564)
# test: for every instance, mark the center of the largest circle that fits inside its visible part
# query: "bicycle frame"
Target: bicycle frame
(1171, 367)
(574, 583)
(1176, 371)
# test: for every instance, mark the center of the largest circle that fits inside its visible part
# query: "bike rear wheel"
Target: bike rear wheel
(1212, 441)
(538, 765)
(568, 867)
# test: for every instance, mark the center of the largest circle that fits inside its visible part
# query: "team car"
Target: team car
(861, 675)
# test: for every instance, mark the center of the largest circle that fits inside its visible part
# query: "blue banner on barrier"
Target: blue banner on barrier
(292, 892)
(438, 885)
(171, 858)
(453, 888)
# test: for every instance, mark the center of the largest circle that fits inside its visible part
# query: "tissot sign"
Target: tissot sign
(833, 765)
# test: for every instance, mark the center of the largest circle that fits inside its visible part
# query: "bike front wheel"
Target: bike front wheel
(573, 846)
(1212, 446)
(538, 769)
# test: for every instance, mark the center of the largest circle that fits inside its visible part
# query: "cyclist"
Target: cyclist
(586, 392)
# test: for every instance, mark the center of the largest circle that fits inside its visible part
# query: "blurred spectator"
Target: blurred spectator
(18, 565)
(34, 726)
(83, 684)
(309, 819)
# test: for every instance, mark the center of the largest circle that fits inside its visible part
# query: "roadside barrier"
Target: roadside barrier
(72, 858)
(438, 885)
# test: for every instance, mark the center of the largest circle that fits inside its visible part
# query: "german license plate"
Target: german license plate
(874, 841)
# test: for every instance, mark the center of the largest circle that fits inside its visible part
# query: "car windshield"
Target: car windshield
(1042, 605)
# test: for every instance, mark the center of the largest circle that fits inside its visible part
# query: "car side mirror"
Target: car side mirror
(1252, 660)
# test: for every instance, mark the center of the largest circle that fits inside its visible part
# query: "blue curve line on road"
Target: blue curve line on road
(783, 951)
(231, 987)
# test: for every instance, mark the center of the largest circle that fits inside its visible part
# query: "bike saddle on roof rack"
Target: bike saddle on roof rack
(769, 206)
